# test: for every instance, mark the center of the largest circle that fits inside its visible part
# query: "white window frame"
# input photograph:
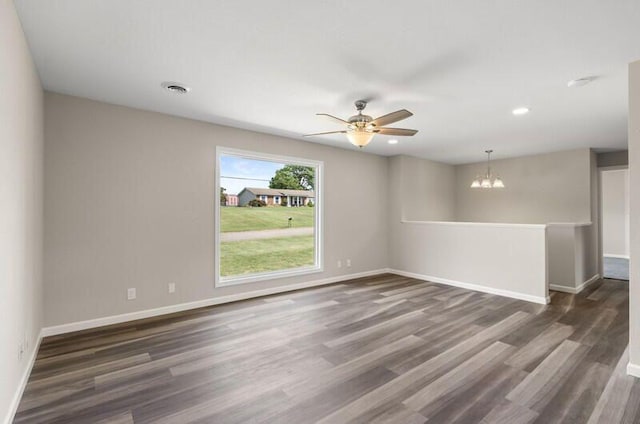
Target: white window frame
(318, 266)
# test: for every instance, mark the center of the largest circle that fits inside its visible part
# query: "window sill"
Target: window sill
(265, 276)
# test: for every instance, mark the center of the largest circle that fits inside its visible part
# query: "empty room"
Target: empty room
(328, 212)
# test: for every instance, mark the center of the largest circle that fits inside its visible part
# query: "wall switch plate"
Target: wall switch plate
(131, 293)
(348, 263)
(339, 264)
(172, 287)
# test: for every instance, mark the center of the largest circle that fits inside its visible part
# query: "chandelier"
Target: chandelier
(487, 181)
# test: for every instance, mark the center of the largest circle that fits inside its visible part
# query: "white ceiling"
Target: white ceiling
(460, 66)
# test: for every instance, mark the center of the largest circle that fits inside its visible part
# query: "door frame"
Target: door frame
(600, 213)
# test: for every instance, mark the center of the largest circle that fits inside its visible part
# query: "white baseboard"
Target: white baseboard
(476, 287)
(633, 370)
(563, 289)
(610, 255)
(587, 283)
(575, 290)
(17, 396)
(148, 313)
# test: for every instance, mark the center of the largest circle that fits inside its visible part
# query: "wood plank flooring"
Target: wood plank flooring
(384, 349)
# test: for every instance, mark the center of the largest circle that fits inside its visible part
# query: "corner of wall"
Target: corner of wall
(634, 203)
(21, 210)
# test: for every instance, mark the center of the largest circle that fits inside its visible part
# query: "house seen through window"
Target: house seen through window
(268, 216)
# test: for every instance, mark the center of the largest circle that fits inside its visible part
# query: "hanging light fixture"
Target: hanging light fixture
(360, 136)
(487, 181)
(362, 128)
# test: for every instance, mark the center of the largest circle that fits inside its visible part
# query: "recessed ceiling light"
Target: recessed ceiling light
(393, 141)
(520, 111)
(175, 87)
(580, 81)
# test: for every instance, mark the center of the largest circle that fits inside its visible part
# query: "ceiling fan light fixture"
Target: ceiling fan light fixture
(476, 182)
(497, 183)
(360, 137)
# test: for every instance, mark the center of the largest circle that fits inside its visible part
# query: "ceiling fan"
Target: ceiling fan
(361, 128)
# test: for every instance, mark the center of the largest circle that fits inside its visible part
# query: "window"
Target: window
(273, 231)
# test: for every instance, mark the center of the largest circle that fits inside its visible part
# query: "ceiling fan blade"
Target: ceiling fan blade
(333, 118)
(395, 131)
(392, 117)
(325, 133)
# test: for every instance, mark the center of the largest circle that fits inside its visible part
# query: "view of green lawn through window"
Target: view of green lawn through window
(267, 216)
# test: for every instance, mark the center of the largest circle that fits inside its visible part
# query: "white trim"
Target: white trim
(475, 224)
(610, 255)
(633, 370)
(17, 396)
(563, 289)
(575, 290)
(500, 224)
(252, 154)
(613, 168)
(148, 313)
(318, 218)
(265, 276)
(569, 224)
(476, 287)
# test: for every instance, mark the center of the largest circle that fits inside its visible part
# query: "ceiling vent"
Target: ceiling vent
(175, 87)
(581, 81)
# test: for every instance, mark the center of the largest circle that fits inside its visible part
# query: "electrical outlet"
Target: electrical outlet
(348, 263)
(131, 293)
(339, 264)
(172, 287)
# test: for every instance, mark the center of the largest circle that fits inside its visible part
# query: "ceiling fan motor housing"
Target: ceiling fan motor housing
(360, 120)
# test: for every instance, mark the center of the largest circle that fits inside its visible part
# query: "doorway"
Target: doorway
(615, 223)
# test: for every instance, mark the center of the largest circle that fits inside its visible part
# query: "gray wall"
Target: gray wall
(424, 189)
(128, 203)
(634, 203)
(553, 187)
(493, 255)
(420, 190)
(20, 206)
(620, 158)
(563, 182)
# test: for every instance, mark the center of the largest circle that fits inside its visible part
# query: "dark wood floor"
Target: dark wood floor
(383, 349)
